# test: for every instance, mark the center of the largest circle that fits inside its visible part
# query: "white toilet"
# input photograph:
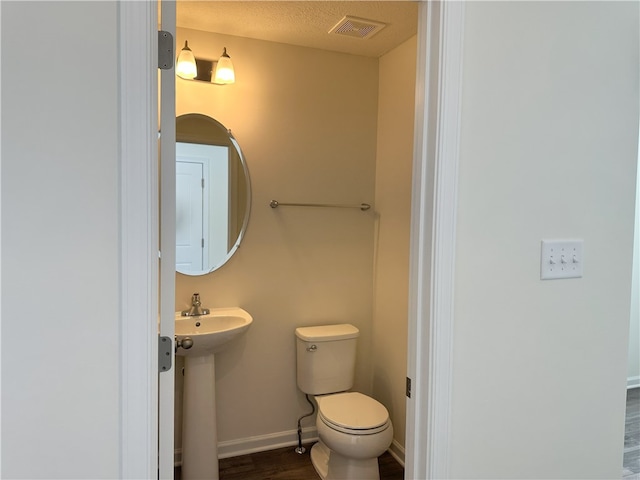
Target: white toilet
(354, 429)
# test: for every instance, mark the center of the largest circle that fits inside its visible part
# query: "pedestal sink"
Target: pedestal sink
(211, 334)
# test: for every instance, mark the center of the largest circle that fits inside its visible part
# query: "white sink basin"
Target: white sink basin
(211, 333)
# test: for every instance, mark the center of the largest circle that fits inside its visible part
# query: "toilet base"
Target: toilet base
(320, 459)
(330, 465)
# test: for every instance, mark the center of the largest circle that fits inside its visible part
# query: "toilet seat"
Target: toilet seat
(353, 413)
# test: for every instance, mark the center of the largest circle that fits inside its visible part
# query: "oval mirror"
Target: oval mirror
(213, 194)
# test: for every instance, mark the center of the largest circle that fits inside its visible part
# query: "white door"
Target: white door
(214, 191)
(190, 220)
(146, 282)
(166, 381)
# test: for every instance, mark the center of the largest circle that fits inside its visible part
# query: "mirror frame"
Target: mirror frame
(195, 138)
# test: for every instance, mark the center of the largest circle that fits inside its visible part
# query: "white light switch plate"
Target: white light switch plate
(561, 259)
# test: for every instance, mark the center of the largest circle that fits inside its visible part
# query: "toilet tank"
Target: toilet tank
(326, 358)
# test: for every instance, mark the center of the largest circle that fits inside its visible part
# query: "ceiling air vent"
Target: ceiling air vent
(357, 27)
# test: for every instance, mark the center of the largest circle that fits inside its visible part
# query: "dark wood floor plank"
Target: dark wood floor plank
(631, 464)
(286, 464)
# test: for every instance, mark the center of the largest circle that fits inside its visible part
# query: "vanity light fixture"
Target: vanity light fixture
(218, 72)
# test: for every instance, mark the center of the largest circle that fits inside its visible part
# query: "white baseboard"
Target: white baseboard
(272, 441)
(260, 443)
(397, 451)
(633, 382)
(245, 446)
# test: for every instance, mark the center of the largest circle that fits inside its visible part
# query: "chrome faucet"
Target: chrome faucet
(196, 308)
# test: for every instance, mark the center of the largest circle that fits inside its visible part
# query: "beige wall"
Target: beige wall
(306, 121)
(393, 208)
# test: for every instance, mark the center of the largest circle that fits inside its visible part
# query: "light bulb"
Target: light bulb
(186, 65)
(224, 70)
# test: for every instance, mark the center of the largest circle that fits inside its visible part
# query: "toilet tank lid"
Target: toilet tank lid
(326, 333)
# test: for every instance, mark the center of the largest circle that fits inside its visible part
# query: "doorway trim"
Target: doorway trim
(436, 148)
(433, 238)
(139, 219)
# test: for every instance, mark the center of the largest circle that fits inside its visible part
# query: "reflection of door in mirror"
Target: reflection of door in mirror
(213, 194)
(202, 206)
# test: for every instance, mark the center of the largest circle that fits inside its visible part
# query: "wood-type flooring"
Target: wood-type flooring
(631, 466)
(286, 464)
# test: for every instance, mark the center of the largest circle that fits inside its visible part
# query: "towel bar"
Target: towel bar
(276, 204)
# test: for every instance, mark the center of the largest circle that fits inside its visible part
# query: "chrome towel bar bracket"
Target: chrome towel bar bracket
(276, 204)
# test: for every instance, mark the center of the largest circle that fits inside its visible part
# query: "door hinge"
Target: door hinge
(202, 183)
(202, 242)
(164, 354)
(408, 387)
(165, 50)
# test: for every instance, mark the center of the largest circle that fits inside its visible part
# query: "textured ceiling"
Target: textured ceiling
(303, 23)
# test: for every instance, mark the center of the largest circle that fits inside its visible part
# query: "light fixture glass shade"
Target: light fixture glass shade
(186, 65)
(224, 70)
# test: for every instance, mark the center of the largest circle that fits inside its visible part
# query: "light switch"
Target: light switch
(561, 259)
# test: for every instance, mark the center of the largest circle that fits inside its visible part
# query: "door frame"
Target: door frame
(139, 221)
(433, 238)
(433, 234)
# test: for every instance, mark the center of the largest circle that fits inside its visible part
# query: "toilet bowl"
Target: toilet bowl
(354, 430)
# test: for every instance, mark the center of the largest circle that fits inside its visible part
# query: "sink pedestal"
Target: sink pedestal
(207, 334)
(199, 433)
